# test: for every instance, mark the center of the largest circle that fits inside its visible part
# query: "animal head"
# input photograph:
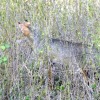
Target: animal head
(24, 28)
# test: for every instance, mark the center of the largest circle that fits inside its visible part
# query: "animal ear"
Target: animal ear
(27, 24)
(19, 23)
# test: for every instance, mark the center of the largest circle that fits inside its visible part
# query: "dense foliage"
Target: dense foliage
(63, 63)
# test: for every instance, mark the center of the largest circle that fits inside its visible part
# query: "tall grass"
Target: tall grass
(28, 72)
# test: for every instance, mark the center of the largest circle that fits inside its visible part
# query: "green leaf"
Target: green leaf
(4, 59)
(57, 88)
(7, 46)
(43, 33)
(41, 51)
(62, 87)
(94, 86)
(27, 98)
(3, 47)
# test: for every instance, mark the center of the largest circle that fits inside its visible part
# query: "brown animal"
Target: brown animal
(25, 29)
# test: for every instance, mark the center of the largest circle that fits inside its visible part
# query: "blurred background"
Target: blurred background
(62, 62)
